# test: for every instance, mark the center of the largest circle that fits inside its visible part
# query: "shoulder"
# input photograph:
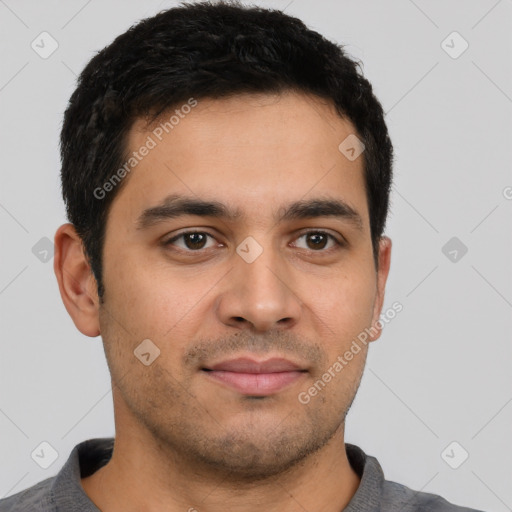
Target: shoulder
(377, 493)
(34, 499)
(64, 491)
(396, 496)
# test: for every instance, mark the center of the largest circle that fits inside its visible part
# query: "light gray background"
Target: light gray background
(441, 370)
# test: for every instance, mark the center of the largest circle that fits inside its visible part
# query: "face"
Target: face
(265, 282)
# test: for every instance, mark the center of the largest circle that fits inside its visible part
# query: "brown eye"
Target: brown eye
(316, 240)
(192, 240)
(319, 240)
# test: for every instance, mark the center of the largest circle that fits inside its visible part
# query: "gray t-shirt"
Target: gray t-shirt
(64, 492)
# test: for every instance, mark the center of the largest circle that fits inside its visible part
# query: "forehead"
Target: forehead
(251, 151)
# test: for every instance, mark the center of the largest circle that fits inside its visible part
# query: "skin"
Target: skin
(182, 440)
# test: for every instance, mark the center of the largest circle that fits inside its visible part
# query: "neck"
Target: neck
(142, 474)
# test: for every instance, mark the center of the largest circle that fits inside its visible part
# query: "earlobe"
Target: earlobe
(77, 284)
(382, 276)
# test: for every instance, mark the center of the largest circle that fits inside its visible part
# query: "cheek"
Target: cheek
(344, 302)
(151, 301)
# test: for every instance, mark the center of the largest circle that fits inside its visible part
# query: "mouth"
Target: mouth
(255, 378)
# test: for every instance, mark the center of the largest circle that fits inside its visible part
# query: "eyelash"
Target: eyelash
(339, 243)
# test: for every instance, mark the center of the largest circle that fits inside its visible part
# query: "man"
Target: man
(226, 173)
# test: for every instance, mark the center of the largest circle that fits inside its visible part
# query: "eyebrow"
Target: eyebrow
(174, 206)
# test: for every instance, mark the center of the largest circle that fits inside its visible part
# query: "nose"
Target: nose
(259, 295)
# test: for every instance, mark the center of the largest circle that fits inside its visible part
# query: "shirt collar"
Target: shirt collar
(368, 496)
(88, 456)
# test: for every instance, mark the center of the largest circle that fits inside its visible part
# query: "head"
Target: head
(244, 109)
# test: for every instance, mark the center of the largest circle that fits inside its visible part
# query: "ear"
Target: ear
(382, 276)
(77, 284)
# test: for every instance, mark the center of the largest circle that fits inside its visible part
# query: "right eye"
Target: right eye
(192, 241)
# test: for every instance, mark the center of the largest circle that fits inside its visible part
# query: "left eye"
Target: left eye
(196, 240)
(317, 240)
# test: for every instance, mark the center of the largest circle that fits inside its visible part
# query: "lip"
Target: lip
(248, 365)
(255, 378)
